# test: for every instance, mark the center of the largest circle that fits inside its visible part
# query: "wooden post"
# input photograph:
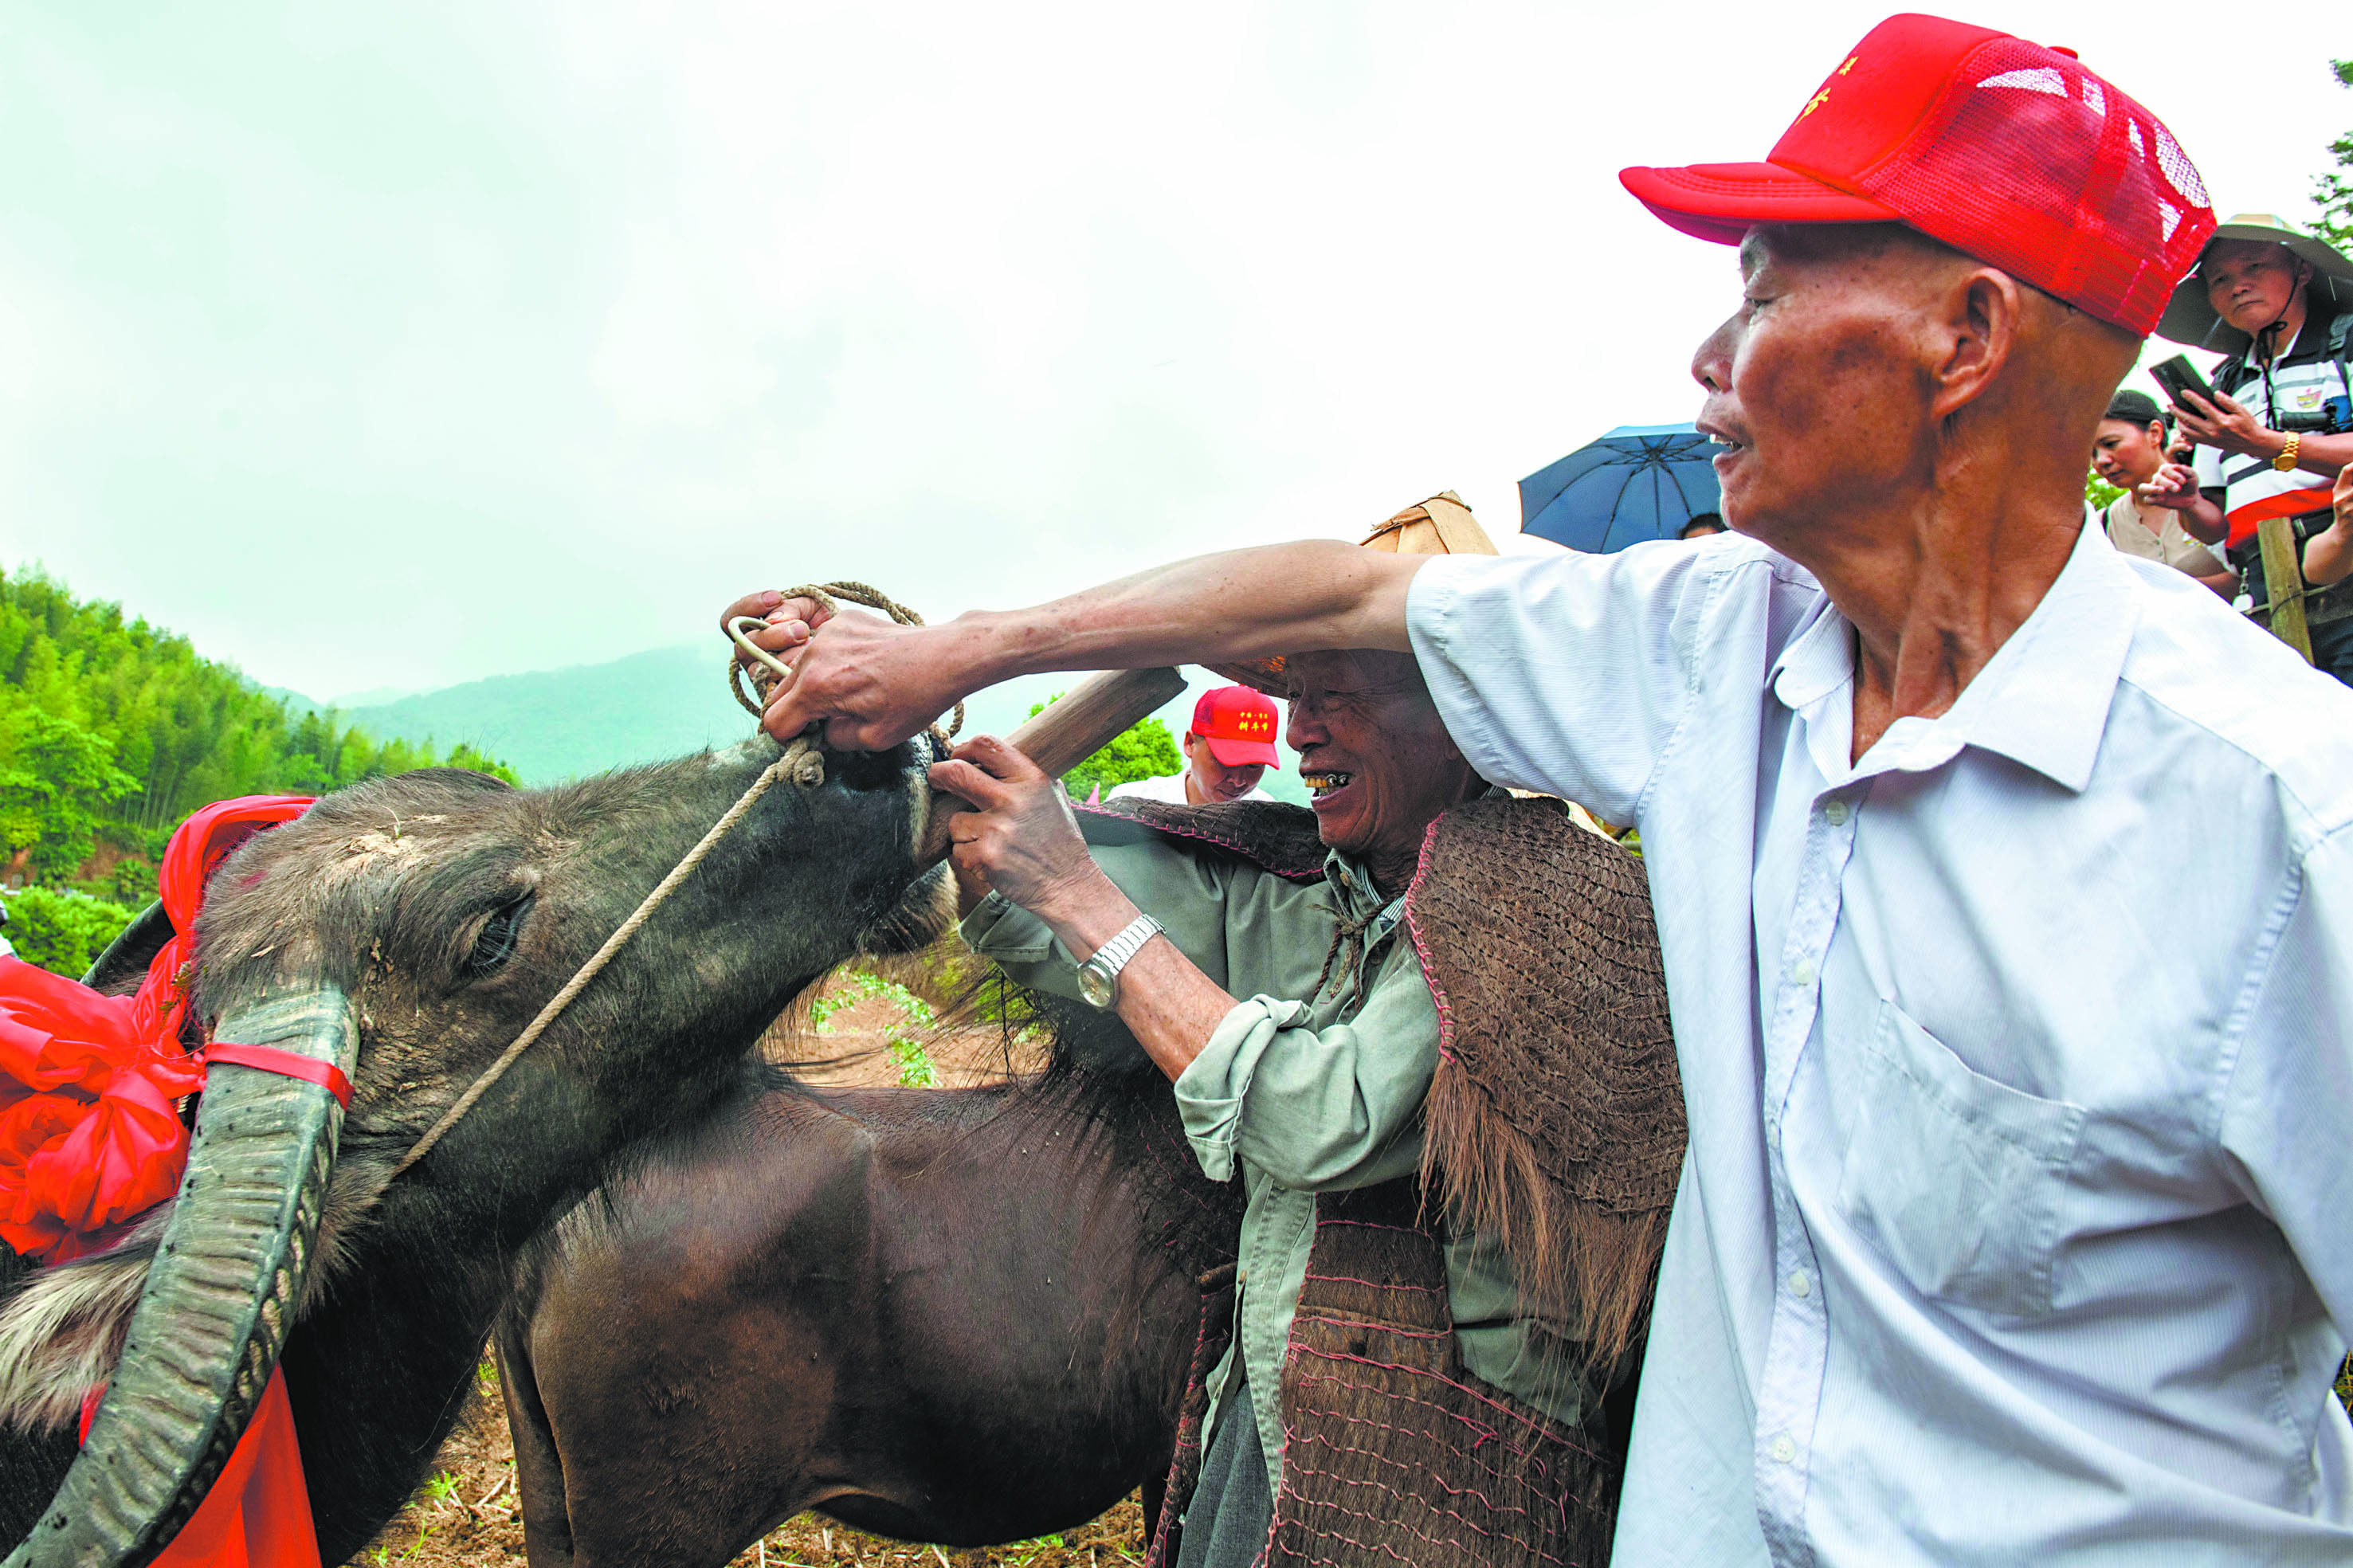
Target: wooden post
(2283, 583)
(1075, 727)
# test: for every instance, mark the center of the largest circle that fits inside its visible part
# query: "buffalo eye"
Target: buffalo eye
(497, 940)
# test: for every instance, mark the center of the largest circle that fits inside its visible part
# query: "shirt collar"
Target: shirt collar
(1351, 886)
(2041, 701)
(2311, 343)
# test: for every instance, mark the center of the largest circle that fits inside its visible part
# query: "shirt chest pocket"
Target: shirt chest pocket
(1957, 1180)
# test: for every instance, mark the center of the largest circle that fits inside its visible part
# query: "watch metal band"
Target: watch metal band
(1112, 957)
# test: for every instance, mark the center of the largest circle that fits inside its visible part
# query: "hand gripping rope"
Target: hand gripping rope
(801, 762)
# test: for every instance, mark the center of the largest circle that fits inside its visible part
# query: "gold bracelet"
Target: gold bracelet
(2285, 461)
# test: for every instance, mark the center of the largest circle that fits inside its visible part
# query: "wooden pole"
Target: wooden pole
(1075, 727)
(2283, 583)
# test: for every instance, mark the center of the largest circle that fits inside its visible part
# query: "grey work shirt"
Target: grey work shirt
(1299, 1097)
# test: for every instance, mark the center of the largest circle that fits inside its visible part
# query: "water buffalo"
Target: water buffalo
(411, 927)
(957, 1316)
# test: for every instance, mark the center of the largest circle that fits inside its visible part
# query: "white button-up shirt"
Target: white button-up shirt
(2017, 1224)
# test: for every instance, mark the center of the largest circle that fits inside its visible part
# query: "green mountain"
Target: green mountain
(564, 723)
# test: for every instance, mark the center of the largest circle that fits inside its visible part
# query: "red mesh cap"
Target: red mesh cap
(2006, 150)
(1238, 724)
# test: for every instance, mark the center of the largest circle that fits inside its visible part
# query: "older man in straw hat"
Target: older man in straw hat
(2012, 1228)
(2280, 426)
(1279, 966)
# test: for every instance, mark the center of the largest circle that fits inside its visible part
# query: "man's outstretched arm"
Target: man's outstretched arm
(874, 683)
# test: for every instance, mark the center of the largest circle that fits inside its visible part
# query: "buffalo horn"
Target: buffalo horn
(218, 1297)
(132, 950)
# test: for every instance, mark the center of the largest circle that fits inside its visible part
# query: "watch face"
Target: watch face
(1098, 988)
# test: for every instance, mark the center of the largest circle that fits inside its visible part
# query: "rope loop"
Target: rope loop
(772, 672)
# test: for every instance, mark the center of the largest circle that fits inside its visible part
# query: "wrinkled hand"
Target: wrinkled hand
(872, 681)
(1021, 839)
(2223, 423)
(2341, 497)
(2174, 487)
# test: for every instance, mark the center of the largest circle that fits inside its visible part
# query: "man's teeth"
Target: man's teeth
(1323, 783)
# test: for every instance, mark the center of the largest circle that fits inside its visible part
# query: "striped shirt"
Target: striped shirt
(2302, 383)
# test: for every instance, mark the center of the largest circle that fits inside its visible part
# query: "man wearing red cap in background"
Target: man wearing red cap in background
(1227, 752)
(2010, 1230)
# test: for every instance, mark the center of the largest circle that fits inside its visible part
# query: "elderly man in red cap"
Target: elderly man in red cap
(2010, 1227)
(1228, 750)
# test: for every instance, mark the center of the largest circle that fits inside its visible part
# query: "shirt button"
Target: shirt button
(1835, 813)
(1801, 974)
(1800, 1286)
(1785, 1450)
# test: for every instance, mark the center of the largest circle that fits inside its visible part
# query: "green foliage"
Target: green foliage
(1145, 750)
(2332, 191)
(55, 779)
(117, 730)
(132, 883)
(2098, 491)
(63, 932)
(905, 1045)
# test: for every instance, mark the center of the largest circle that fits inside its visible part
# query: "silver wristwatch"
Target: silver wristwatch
(1099, 975)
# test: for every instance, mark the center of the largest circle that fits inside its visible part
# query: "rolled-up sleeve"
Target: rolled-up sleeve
(1316, 1109)
(1567, 674)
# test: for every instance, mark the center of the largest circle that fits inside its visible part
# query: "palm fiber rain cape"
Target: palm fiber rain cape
(1556, 1123)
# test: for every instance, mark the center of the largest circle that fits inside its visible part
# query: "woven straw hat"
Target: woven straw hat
(2192, 319)
(1441, 525)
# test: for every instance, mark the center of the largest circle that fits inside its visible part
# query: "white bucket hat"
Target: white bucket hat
(2192, 319)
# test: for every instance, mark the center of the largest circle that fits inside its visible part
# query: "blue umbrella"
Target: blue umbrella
(1637, 482)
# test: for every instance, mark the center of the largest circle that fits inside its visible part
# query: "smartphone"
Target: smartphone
(2177, 376)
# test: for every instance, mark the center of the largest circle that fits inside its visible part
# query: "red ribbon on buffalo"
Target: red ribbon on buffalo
(90, 1138)
(91, 1135)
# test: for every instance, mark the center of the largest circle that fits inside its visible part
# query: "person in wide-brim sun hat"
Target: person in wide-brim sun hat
(2190, 316)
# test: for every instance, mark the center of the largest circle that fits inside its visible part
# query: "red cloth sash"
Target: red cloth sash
(89, 1121)
(257, 1514)
(90, 1138)
(2287, 503)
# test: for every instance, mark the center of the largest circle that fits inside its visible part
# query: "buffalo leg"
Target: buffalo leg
(539, 1467)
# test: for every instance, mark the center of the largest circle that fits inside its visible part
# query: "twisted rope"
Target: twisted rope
(1348, 948)
(801, 762)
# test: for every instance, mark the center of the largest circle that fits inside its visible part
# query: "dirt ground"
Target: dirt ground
(854, 1048)
(466, 1517)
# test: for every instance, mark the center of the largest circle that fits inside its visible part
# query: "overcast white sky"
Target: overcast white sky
(402, 347)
